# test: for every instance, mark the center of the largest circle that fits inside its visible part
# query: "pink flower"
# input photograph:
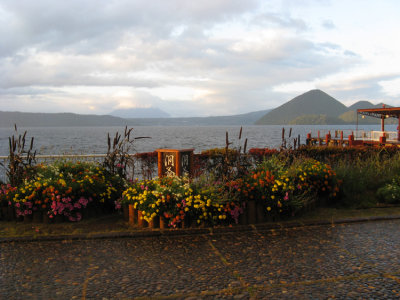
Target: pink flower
(83, 201)
(286, 196)
(117, 205)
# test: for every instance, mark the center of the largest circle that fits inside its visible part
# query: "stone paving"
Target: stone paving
(348, 261)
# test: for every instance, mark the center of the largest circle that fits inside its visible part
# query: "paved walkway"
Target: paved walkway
(359, 260)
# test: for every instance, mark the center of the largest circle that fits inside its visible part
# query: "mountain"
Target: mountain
(316, 120)
(312, 104)
(22, 119)
(140, 112)
(351, 115)
(364, 104)
(318, 108)
(242, 119)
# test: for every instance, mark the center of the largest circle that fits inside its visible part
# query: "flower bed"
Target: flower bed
(176, 200)
(63, 189)
(277, 190)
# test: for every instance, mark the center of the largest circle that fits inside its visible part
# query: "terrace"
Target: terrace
(362, 137)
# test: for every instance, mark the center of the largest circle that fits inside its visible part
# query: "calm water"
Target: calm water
(93, 140)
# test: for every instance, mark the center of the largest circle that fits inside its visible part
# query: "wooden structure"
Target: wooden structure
(382, 113)
(172, 162)
(378, 138)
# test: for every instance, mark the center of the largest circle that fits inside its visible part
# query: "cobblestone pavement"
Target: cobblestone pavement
(349, 261)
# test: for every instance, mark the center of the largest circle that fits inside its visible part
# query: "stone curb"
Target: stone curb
(195, 231)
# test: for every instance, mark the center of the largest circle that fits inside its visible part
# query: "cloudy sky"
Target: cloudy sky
(195, 58)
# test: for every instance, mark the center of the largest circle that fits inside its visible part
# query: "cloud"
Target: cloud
(328, 24)
(391, 87)
(186, 57)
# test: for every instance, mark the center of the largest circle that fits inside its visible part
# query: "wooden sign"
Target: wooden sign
(172, 162)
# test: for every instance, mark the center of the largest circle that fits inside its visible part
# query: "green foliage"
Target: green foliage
(390, 192)
(321, 119)
(362, 177)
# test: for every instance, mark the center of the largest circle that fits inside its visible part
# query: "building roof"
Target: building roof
(388, 112)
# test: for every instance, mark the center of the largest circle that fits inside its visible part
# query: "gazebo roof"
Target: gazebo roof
(388, 112)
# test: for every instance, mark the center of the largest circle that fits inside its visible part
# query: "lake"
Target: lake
(93, 140)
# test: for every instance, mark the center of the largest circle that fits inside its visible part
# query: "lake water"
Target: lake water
(93, 140)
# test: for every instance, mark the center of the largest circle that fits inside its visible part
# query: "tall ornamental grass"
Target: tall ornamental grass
(364, 176)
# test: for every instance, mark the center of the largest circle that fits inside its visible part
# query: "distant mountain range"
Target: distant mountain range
(140, 112)
(22, 119)
(311, 108)
(315, 107)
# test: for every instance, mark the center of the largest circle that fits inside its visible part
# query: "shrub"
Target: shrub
(390, 192)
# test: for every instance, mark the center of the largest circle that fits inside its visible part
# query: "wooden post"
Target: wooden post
(398, 131)
(351, 139)
(131, 214)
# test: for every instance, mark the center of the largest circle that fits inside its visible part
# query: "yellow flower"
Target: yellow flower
(269, 208)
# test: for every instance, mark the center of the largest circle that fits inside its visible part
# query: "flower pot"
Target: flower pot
(251, 212)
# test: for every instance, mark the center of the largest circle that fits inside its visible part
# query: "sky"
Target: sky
(195, 58)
